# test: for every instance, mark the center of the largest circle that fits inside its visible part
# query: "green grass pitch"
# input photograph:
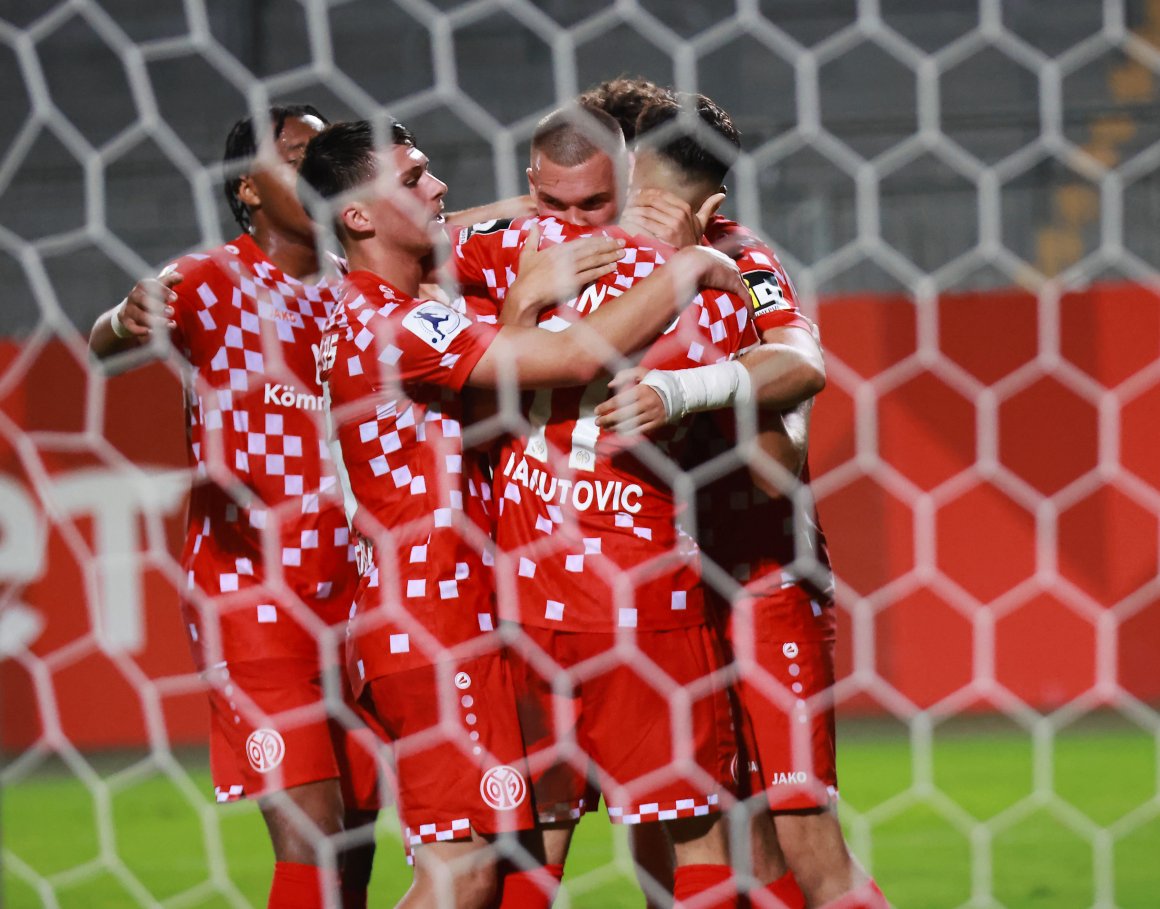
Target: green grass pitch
(909, 811)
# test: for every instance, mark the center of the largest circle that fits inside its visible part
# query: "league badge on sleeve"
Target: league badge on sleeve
(765, 292)
(484, 227)
(436, 324)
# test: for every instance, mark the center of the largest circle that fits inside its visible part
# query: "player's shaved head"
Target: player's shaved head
(623, 99)
(242, 147)
(342, 157)
(692, 133)
(573, 134)
(579, 169)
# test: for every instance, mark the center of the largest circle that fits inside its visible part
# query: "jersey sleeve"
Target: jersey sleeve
(772, 296)
(195, 296)
(425, 342)
(482, 257)
(715, 327)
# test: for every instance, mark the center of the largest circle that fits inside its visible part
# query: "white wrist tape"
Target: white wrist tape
(686, 391)
(117, 325)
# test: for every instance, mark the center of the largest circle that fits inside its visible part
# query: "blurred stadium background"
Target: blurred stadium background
(967, 194)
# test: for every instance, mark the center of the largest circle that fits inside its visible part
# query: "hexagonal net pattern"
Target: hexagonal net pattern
(965, 198)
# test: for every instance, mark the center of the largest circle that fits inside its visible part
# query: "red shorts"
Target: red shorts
(459, 760)
(786, 692)
(272, 730)
(645, 724)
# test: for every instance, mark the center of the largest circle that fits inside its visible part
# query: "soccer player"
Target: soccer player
(269, 562)
(606, 587)
(423, 647)
(782, 625)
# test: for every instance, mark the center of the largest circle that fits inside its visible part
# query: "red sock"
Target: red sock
(868, 896)
(786, 889)
(298, 886)
(354, 899)
(690, 881)
(533, 889)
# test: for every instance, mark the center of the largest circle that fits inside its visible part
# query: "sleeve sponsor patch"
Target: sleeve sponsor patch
(436, 324)
(484, 227)
(765, 292)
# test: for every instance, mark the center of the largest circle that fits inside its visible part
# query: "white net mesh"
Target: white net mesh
(966, 198)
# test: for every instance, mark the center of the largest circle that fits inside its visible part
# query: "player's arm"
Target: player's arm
(132, 322)
(784, 438)
(786, 369)
(536, 358)
(515, 207)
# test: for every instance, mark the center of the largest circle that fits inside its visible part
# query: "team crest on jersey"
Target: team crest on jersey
(765, 292)
(484, 227)
(265, 749)
(503, 788)
(436, 324)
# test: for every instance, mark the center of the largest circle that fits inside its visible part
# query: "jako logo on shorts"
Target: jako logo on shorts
(503, 787)
(265, 749)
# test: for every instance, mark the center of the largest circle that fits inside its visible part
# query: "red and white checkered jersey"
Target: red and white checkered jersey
(772, 294)
(394, 367)
(266, 529)
(744, 531)
(589, 527)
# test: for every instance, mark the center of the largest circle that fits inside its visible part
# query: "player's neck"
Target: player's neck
(292, 255)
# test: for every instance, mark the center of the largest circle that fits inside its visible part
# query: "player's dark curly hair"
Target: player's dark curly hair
(624, 98)
(342, 156)
(242, 146)
(704, 148)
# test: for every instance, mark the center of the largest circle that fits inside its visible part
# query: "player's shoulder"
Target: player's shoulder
(365, 291)
(769, 284)
(368, 300)
(742, 244)
(197, 267)
(207, 274)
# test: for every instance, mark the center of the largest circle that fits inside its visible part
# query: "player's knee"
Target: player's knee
(769, 862)
(699, 840)
(302, 819)
(358, 858)
(478, 889)
(464, 885)
(814, 846)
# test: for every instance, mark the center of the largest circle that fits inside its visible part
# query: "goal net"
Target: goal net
(965, 195)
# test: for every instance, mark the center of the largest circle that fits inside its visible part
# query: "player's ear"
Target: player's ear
(355, 219)
(247, 193)
(531, 183)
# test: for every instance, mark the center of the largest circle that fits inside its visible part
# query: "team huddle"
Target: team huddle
(443, 545)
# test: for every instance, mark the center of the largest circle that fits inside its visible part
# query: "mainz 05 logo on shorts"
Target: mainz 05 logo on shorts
(265, 749)
(503, 787)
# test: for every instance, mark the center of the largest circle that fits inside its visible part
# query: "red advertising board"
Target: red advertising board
(986, 470)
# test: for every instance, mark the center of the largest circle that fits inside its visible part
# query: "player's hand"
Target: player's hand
(667, 217)
(149, 305)
(709, 268)
(556, 273)
(634, 409)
